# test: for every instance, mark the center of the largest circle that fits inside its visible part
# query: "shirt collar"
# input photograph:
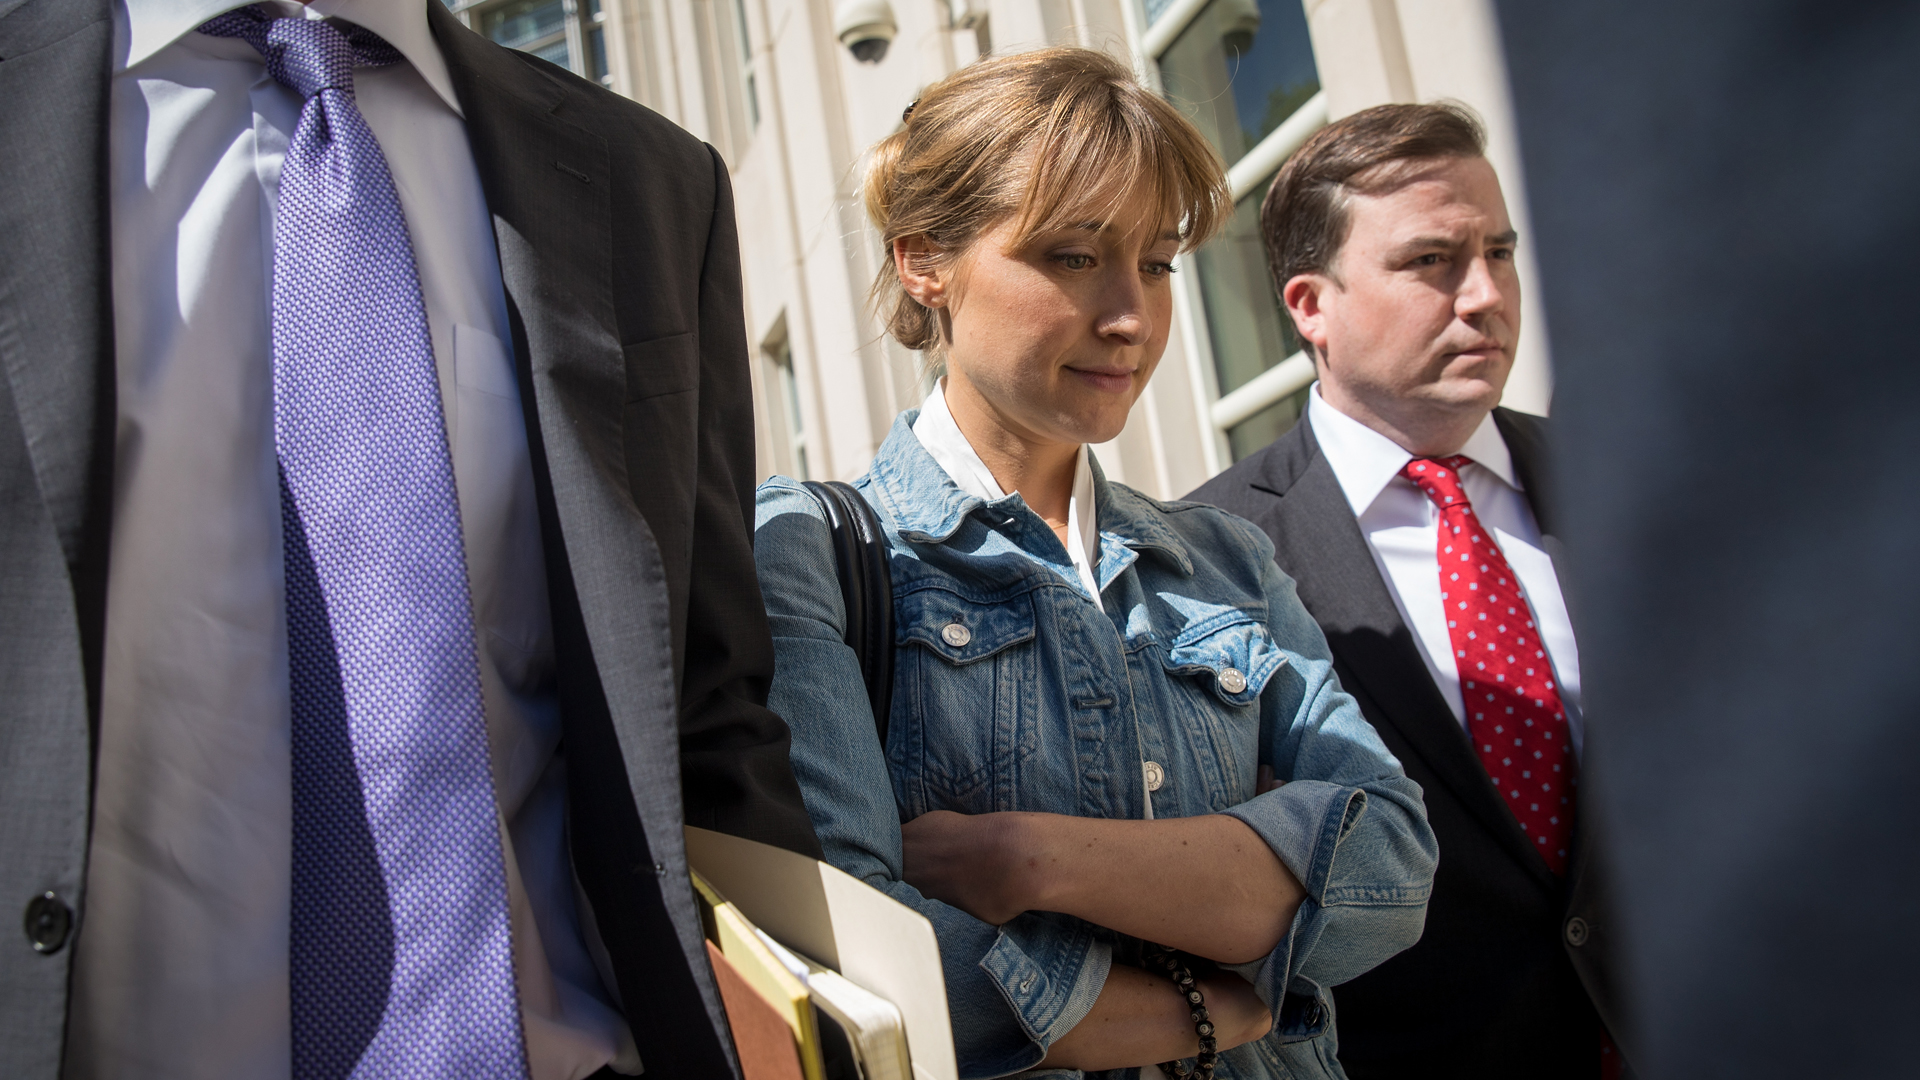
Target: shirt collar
(1365, 461)
(927, 506)
(940, 434)
(153, 25)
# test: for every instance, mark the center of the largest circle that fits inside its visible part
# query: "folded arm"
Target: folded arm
(1218, 890)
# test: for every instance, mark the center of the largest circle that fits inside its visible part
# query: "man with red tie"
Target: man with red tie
(1416, 518)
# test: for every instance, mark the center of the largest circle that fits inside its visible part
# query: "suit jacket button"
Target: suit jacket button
(1576, 931)
(49, 921)
(1233, 680)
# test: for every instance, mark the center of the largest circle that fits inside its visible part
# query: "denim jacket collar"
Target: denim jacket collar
(928, 507)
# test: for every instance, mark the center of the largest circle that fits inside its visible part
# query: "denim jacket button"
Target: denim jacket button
(1156, 775)
(955, 634)
(1232, 680)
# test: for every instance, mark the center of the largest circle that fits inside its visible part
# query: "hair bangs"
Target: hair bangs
(1102, 157)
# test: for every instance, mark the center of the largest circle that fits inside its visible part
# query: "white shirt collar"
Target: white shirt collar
(942, 437)
(948, 445)
(1365, 461)
(153, 25)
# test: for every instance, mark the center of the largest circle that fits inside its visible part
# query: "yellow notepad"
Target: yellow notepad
(768, 977)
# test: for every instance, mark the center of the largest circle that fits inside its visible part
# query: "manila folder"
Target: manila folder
(876, 942)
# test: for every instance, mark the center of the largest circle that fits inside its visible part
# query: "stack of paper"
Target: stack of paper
(875, 1038)
(853, 974)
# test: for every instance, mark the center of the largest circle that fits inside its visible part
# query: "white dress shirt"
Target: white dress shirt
(182, 968)
(1401, 526)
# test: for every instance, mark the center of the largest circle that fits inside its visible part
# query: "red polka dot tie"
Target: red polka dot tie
(1514, 715)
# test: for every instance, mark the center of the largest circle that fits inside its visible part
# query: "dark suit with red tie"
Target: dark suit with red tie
(1512, 976)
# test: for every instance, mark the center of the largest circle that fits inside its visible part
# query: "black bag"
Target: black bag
(866, 585)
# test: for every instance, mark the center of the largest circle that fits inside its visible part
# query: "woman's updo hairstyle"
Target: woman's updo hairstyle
(1053, 138)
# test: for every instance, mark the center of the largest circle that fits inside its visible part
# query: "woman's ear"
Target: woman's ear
(916, 260)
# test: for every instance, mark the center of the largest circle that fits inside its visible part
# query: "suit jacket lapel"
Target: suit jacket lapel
(547, 184)
(56, 315)
(1532, 466)
(1315, 527)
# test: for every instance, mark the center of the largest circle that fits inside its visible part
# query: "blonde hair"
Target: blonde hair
(1053, 138)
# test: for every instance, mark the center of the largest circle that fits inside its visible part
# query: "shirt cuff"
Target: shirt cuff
(1051, 970)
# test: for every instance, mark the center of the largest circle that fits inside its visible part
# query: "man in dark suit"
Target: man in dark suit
(1416, 518)
(375, 479)
(1735, 476)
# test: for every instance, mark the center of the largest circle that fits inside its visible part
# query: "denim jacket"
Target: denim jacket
(1013, 690)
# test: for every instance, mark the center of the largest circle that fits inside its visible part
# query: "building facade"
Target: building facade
(793, 92)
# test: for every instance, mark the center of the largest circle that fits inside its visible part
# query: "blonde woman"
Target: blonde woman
(1120, 777)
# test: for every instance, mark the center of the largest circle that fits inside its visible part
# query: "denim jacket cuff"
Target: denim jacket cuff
(1303, 823)
(1050, 971)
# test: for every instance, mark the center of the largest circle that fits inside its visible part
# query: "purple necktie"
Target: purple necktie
(401, 954)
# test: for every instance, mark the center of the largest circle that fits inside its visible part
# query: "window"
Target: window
(1240, 69)
(788, 421)
(746, 61)
(1244, 72)
(596, 39)
(728, 75)
(570, 33)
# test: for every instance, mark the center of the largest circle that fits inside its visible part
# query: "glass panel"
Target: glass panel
(554, 52)
(520, 23)
(1250, 330)
(796, 424)
(1240, 68)
(593, 9)
(1252, 435)
(1155, 8)
(740, 27)
(597, 54)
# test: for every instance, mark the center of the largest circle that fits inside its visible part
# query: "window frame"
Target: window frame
(577, 23)
(1219, 413)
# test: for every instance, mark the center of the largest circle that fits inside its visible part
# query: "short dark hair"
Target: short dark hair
(1304, 221)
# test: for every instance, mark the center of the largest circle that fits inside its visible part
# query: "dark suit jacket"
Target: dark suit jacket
(1507, 978)
(1738, 483)
(617, 248)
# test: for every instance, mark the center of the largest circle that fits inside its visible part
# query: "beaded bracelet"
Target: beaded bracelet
(1170, 965)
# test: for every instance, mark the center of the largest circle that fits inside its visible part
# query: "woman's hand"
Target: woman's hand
(970, 861)
(1141, 1019)
(1238, 1014)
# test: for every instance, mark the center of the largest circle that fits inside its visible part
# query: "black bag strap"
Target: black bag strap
(860, 555)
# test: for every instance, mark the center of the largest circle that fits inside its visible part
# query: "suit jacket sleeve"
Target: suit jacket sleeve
(733, 749)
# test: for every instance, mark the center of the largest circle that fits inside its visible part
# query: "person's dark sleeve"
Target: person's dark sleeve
(733, 750)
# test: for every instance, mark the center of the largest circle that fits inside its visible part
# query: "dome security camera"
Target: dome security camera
(1239, 21)
(865, 27)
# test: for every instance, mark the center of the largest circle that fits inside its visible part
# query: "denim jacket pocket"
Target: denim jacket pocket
(959, 630)
(962, 657)
(1233, 654)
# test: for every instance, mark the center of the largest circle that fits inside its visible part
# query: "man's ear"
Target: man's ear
(1304, 297)
(916, 260)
